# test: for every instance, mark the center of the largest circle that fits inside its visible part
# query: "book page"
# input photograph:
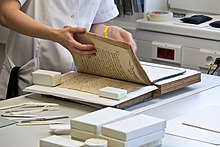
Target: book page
(114, 59)
(92, 84)
(158, 72)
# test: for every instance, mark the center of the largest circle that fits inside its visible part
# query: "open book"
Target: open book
(115, 65)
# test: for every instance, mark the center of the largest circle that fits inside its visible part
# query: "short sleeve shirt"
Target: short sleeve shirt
(56, 13)
(34, 53)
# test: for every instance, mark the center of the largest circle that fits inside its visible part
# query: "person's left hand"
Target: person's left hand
(120, 34)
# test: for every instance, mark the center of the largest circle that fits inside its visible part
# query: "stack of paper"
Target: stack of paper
(119, 127)
(89, 125)
(134, 131)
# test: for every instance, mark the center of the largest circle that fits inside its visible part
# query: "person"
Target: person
(39, 40)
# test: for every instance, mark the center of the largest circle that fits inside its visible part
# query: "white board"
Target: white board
(177, 128)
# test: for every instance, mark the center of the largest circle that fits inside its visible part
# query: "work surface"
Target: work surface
(166, 106)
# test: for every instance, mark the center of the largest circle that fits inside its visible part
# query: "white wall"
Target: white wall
(152, 5)
(205, 6)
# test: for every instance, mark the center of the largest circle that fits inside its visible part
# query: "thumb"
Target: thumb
(76, 29)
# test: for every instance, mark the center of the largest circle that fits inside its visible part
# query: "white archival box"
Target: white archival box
(133, 127)
(57, 141)
(93, 121)
(143, 140)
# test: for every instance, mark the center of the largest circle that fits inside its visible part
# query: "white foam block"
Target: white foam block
(81, 135)
(143, 140)
(113, 93)
(47, 78)
(133, 127)
(96, 142)
(93, 121)
(60, 129)
(57, 141)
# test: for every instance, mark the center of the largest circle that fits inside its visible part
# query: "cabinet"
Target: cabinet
(199, 46)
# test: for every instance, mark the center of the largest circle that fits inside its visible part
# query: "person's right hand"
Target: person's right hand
(66, 38)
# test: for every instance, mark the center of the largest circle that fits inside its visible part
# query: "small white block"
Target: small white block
(113, 93)
(47, 78)
(96, 142)
(57, 141)
(60, 129)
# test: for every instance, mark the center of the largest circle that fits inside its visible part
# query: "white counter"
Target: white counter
(190, 98)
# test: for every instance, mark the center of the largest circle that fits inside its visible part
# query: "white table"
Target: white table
(182, 104)
(182, 101)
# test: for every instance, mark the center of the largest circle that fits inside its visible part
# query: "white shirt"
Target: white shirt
(32, 53)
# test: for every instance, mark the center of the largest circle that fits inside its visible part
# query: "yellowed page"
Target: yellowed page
(114, 59)
(92, 84)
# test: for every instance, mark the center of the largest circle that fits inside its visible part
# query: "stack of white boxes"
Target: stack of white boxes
(89, 125)
(134, 131)
(119, 127)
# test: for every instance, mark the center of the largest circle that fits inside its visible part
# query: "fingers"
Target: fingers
(122, 35)
(134, 46)
(75, 29)
(83, 52)
(76, 47)
(127, 37)
(131, 41)
(83, 49)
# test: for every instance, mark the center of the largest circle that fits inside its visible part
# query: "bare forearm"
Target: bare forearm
(115, 32)
(14, 19)
(98, 29)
